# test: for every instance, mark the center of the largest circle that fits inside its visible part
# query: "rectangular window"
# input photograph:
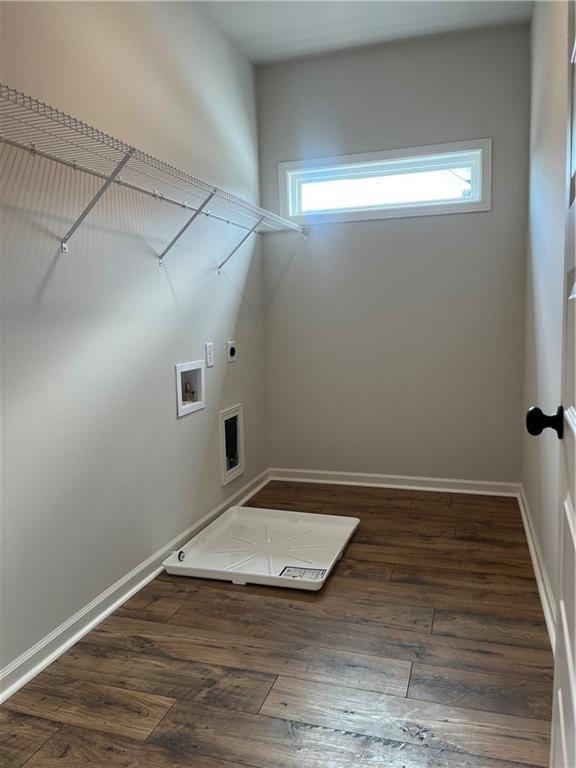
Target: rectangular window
(420, 181)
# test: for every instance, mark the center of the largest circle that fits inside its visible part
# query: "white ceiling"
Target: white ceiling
(269, 30)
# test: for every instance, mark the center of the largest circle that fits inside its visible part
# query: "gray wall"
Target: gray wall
(397, 346)
(545, 276)
(98, 472)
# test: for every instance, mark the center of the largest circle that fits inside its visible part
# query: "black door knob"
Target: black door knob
(536, 421)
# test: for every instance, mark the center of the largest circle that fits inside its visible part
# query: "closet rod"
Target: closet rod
(128, 185)
(42, 130)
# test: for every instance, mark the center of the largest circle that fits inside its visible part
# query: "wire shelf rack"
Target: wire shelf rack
(49, 133)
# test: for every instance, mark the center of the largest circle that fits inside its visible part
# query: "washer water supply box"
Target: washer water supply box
(281, 548)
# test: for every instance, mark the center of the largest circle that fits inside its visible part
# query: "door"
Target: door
(563, 751)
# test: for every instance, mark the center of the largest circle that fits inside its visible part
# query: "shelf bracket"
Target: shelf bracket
(233, 251)
(109, 180)
(177, 237)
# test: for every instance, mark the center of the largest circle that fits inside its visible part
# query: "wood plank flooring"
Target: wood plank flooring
(427, 648)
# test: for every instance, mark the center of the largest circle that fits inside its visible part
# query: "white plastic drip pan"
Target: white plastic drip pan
(246, 545)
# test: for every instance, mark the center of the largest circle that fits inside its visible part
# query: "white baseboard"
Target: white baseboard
(396, 481)
(47, 650)
(542, 579)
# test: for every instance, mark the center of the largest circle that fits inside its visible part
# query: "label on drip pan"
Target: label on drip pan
(308, 574)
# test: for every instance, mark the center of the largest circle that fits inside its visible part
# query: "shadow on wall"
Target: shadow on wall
(156, 75)
(218, 103)
(99, 473)
(278, 253)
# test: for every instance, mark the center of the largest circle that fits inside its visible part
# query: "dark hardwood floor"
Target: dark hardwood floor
(427, 648)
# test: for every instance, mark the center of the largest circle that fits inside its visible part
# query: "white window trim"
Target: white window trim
(398, 212)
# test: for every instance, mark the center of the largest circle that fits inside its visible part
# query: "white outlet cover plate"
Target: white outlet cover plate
(232, 346)
(276, 547)
(209, 354)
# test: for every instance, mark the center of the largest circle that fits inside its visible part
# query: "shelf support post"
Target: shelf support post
(246, 236)
(177, 237)
(109, 180)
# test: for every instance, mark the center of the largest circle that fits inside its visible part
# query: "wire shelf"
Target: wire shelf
(43, 130)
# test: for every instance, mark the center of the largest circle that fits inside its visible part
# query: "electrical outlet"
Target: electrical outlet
(209, 350)
(232, 351)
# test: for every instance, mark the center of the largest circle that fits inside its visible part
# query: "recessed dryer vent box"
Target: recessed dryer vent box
(231, 443)
(246, 545)
(190, 387)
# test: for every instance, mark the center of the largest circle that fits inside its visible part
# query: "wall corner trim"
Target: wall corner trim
(49, 648)
(542, 579)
